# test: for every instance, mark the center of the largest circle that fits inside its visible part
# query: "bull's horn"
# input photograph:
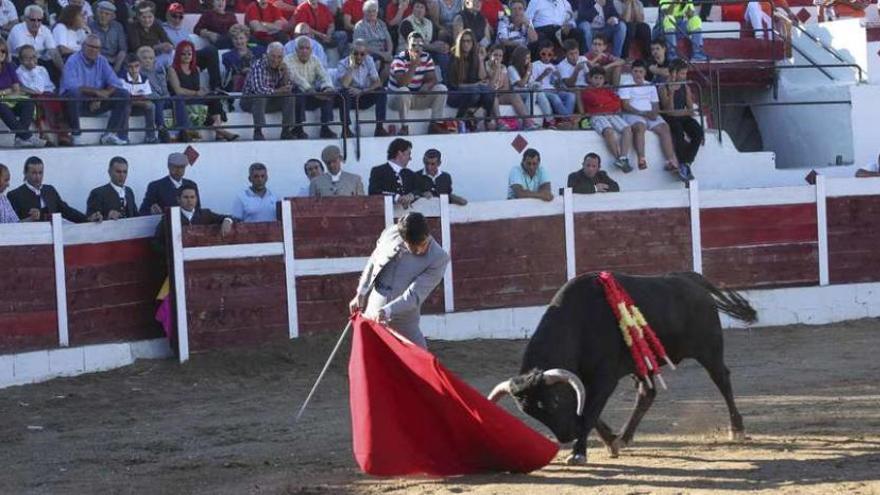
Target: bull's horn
(500, 391)
(558, 375)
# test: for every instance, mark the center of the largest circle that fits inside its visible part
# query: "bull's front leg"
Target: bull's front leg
(597, 396)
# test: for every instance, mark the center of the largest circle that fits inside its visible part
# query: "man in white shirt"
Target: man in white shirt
(31, 31)
(554, 20)
(641, 110)
(257, 202)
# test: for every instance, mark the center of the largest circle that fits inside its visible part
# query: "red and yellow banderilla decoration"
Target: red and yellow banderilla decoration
(643, 343)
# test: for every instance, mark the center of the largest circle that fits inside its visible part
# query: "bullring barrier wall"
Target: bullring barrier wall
(87, 286)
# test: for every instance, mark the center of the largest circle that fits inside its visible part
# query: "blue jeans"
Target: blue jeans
(119, 111)
(562, 102)
(464, 99)
(616, 34)
(672, 37)
(18, 118)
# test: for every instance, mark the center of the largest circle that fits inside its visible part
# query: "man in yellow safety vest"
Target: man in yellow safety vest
(676, 18)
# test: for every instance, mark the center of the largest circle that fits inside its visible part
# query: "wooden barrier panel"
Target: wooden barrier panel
(28, 317)
(336, 227)
(507, 263)
(638, 242)
(760, 246)
(322, 301)
(235, 301)
(854, 239)
(242, 233)
(111, 290)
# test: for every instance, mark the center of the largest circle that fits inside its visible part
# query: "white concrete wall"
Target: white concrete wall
(39, 366)
(845, 36)
(479, 164)
(864, 112)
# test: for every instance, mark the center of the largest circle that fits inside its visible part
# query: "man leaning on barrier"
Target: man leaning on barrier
(270, 89)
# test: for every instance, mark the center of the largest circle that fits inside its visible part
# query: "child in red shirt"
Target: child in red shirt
(603, 106)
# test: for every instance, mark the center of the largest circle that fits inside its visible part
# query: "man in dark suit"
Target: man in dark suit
(393, 178)
(113, 200)
(163, 193)
(436, 182)
(589, 179)
(192, 214)
(33, 201)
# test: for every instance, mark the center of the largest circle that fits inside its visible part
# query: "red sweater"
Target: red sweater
(600, 100)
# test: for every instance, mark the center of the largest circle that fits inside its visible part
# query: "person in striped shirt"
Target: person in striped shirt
(413, 72)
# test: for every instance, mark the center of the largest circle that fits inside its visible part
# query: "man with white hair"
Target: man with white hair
(31, 31)
(270, 82)
(303, 29)
(314, 85)
(95, 89)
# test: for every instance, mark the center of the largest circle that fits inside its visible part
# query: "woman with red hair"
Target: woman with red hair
(185, 82)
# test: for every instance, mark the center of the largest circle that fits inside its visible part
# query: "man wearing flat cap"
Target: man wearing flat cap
(114, 44)
(163, 193)
(335, 182)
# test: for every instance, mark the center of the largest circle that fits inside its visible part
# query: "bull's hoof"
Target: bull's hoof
(737, 436)
(614, 448)
(576, 460)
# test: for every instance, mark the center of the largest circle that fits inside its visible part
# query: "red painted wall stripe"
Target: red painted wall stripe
(753, 225)
(107, 253)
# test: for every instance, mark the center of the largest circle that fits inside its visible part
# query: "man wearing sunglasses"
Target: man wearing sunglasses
(361, 86)
(31, 31)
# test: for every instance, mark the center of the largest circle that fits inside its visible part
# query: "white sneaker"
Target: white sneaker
(32, 142)
(112, 139)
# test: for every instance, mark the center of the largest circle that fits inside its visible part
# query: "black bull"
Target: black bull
(577, 355)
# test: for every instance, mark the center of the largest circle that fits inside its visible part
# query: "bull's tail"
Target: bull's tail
(728, 301)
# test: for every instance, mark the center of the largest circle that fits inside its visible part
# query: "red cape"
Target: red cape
(410, 415)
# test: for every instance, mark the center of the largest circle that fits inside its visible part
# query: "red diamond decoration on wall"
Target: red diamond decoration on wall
(191, 154)
(803, 15)
(519, 143)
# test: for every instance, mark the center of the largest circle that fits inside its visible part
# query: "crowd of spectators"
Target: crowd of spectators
(137, 58)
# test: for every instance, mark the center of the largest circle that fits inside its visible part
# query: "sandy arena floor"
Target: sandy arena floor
(223, 424)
